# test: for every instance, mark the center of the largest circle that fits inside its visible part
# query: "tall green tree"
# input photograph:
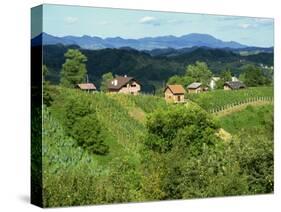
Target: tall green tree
(253, 76)
(199, 72)
(105, 80)
(74, 69)
(224, 77)
(182, 80)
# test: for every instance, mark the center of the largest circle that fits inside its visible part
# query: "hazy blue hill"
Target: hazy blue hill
(146, 43)
(196, 39)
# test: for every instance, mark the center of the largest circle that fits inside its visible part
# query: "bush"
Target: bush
(256, 159)
(82, 124)
(214, 172)
(180, 125)
(76, 107)
(88, 134)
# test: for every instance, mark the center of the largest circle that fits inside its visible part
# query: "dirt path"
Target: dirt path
(238, 108)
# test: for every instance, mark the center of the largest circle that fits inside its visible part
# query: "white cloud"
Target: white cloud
(150, 20)
(245, 26)
(70, 19)
(147, 19)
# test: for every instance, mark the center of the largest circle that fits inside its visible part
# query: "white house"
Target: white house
(213, 82)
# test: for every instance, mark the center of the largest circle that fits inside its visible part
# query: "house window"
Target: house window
(133, 85)
(179, 98)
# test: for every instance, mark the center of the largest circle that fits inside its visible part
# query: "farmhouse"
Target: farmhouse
(195, 87)
(88, 87)
(174, 93)
(234, 85)
(127, 85)
(234, 79)
(213, 82)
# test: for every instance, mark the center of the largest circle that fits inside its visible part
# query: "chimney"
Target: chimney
(115, 82)
(125, 75)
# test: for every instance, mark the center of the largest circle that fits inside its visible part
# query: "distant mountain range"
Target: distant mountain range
(146, 43)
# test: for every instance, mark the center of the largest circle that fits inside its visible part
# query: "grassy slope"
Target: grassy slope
(124, 129)
(219, 98)
(247, 119)
(122, 118)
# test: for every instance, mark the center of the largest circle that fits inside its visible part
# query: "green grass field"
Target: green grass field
(219, 98)
(250, 117)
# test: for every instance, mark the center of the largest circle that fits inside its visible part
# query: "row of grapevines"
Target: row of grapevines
(220, 98)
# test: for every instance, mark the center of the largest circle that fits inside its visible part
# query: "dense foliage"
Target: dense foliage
(81, 123)
(180, 125)
(255, 76)
(225, 76)
(254, 142)
(105, 80)
(74, 69)
(87, 131)
(151, 71)
(198, 72)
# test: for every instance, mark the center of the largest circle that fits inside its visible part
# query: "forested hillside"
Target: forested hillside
(152, 71)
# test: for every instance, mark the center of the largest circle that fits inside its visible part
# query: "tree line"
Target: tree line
(251, 75)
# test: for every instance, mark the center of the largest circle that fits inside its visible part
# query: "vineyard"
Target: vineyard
(117, 114)
(133, 170)
(215, 101)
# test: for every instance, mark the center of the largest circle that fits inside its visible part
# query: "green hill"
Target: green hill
(125, 124)
(218, 99)
(131, 171)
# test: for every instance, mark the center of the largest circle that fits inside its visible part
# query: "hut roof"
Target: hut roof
(176, 89)
(86, 86)
(194, 85)
(235, 84)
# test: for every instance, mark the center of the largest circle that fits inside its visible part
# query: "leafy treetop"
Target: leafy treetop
(74, 69)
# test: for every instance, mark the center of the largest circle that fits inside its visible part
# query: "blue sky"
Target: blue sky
(104, 22)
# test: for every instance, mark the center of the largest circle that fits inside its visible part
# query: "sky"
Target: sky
(105, 22)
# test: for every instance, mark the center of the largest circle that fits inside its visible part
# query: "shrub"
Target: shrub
(88, 134)
(184, 125)
(76, 107)
(256, 159)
